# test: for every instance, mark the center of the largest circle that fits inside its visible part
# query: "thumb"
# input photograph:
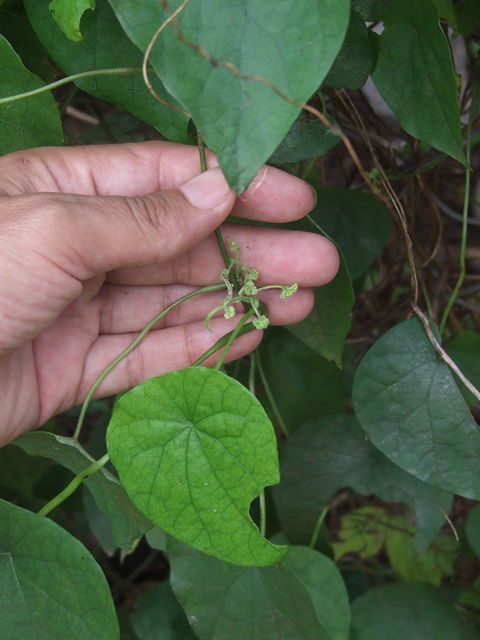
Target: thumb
(89, 235)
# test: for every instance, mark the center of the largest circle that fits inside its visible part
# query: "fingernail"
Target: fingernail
(207, 190)
(315, 197)
(256, 182)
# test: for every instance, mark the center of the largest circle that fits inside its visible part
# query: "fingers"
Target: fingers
(128, 309)
(146, 167)
(281, 257)
(161, 351)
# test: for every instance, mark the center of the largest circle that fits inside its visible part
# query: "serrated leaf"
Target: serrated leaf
(158, 616)
(415, 76)
(465, 351)
(331, 453)
(125, 520)
(417, 611)
(356, 221)
(105, 46)
(193, 448)
(304, 385)
(50, 582)
(29, 122)
(68, 13)
(354, 62)
(267, 603)
(408, 403)
(305, 139)
(328, 324)
(472, 529)
(230, 111)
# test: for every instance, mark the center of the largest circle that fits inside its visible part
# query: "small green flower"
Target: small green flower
(229, 312)
(261, 322)
(288, 291)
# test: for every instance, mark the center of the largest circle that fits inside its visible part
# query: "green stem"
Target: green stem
(234, 334)
(270, 397)
(251, 375)
(131, 347)
(263, 514)
(318, 526)
(463, 241)
(221, 342)
(121, 71)
(74, 484)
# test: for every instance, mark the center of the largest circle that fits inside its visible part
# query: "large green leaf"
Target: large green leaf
(20, 472)
(305, 139)
(303, 598)
(232, 113)
(193, 448)
(330, 453)
(472, 529)
(415, 76)
(106, 46)
(326, 328)
(158, 616)
(353, 64)
(51, 587)
(357, 221)
(68, 13)
(407, 612)
(304, 385)
(408, 403)
(127, 523)
(465, 351)
(30, 122)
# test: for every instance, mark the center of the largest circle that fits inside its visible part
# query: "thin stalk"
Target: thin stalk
(234, 334)
(221, 342)
(74, 484)
(131, 347)
(466, 205)
(270, 397)
(121, 71)
(318, 526)
(263, 514)
(251, 375)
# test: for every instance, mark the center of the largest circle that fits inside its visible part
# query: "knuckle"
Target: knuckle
(151, 212)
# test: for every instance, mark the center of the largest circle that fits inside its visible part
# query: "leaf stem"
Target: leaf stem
(270, 397)
(131, 347)
(121, 71)
(234, 334)
(263, 514)
(74, 484)
(219, 344)
(318, 526)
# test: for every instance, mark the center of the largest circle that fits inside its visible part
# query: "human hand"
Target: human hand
(94, 241)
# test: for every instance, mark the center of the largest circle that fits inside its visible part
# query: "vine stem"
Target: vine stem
(234, 334)
(318, 526)
(120, 71)
(270, 397)
(131, 347)
(220, 343)
(74, 484)
(261, 497)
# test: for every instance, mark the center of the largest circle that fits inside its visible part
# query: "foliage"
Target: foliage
(362, 419)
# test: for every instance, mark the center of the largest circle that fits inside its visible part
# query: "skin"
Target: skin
(94, 241)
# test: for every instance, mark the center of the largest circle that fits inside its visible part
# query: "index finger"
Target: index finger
(134, 169)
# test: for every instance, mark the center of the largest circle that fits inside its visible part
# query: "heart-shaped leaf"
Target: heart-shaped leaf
(193, 448)
(291, 44)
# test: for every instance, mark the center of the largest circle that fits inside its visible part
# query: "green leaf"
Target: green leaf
(106, 46)
(50, 582)
(305, 139)
(467, 16)
(465, 351)
(372, 10)
(354, 62)
(158, 616)
(68, 13)
(408, 403)
(269, 603)
(125, 520)
(193, 448)
(446, 10)
(415, 76)
(304, 385)
(356, 221)
(328, 324)
(362, 531)
(431, 566)
(26, 123)
(20, 472)
(472, 529)
(332, 453)
(325, 585)
(410, 611)
(231, 112)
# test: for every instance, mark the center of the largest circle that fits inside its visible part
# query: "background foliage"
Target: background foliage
(377, 437)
